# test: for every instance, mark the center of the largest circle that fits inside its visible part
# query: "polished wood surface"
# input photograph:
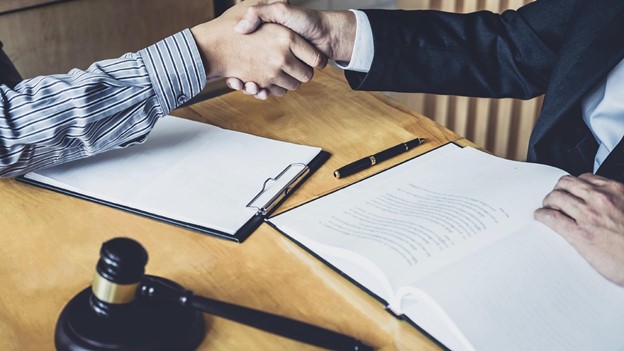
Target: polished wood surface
(50, 241)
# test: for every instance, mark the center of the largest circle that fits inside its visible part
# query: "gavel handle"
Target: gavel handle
(279, 325)
(272, 323)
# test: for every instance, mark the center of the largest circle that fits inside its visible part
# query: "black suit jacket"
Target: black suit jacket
(8, 74)
(560, 48)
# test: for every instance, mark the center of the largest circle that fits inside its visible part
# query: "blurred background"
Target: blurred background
(53, 36)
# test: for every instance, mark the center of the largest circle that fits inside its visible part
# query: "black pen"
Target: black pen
(372, 160)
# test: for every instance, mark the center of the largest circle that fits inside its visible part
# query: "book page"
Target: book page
(364, 271)
(414, 224)
(428, 215)
(529, 291)
(186, 170)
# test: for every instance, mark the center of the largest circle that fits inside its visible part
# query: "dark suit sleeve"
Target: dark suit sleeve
(8, 74)
(479, 54)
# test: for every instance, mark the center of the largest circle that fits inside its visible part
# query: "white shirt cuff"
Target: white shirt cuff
(363, 48)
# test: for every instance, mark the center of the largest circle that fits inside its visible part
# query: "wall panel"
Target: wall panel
(58, 36)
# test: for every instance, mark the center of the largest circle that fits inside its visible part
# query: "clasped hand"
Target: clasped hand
(274, 57)
(312, 36)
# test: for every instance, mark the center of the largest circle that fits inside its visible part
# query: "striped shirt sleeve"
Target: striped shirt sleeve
(54, 119)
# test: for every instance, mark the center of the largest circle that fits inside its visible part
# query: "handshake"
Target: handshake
(267, 47)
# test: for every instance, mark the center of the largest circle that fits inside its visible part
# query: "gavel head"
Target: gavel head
(111, 315)
(118, 274)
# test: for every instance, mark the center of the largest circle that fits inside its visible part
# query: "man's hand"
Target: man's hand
(332, 32)
(588, 211)
(274, 56)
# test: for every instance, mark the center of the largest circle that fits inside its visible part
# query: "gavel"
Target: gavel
(124, 309)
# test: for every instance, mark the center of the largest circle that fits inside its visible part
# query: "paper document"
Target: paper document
(186, 171)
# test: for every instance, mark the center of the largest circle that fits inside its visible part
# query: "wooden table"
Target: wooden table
(50, 242)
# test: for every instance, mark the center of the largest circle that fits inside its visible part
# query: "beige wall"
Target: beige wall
(502, 126)
(58, 36)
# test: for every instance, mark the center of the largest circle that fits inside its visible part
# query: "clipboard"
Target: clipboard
(270, 192)
(263, 211)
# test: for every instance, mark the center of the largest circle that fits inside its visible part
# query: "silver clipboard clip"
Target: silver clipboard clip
(283, 192)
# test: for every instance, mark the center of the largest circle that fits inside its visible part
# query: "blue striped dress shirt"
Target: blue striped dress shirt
(54, 119)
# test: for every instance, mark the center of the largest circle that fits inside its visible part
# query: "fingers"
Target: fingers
(574, 185)
(274, 90)
(256, 15)
(298, 63)
(294, 75)
(251, 88)
(298, 66)
(282, 84)
(558, 222)
(234, 83)
(565, 226)
(292, 67)
(564, 202)
(277, 91)
(582, 196)
(268, 2)
(298, 70)
(263, 94)
(595, 180)
(593, 224)
(307, 53)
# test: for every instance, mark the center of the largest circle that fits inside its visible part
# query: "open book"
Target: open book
(192, 174)
(448, 241)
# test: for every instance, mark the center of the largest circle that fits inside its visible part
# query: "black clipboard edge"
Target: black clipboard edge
(194, 227)
(241, 234)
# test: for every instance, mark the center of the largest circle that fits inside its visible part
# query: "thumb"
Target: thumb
(256, 15)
